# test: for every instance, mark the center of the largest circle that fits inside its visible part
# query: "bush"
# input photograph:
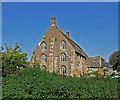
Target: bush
(34, 83)
(36, 65)
(113, 74)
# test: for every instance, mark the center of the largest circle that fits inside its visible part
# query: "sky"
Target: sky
(92, 25)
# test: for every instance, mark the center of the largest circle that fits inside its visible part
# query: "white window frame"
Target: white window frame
(63, 45)
(63, 57)
(63, 70)
(43, 46)
(43, 58)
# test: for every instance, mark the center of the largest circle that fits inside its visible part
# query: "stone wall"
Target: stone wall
(75, 64)
(53, 38)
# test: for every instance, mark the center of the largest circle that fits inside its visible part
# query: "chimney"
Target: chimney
(52, 20)
(67, 33)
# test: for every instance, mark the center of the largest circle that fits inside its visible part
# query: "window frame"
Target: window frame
(43, 67)
(43, 46)
(63, 45)
(43, 60)
(63, 57)
(63, 70)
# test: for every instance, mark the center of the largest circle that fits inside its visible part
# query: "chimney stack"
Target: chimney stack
(67, 33)
(52, 20)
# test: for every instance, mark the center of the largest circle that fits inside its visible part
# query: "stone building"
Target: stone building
(94, 64)
(56, 52)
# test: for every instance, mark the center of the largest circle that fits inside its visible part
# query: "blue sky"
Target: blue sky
(94, 26)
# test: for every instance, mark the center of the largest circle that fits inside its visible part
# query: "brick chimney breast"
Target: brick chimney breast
(52, 20)
(67, 33)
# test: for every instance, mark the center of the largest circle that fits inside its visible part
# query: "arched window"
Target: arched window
(44, 68)
(63, 45)
(63, 70)
(63, 57)
(44, 46)
(43, 58)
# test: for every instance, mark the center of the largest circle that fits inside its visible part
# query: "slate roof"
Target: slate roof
(77, 48)
(106, 64)
(93, 61)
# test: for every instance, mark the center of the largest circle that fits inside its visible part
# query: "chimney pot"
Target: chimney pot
(67, 33)
(52, 20)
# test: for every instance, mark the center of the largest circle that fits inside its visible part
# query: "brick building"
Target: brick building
(56, 52)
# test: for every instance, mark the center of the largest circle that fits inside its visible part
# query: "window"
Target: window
(63, 57)
(63, 70)
(63, 45)
(43, 58)
(44, 46)
(44, 68)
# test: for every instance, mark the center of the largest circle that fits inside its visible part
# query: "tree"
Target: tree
(114, 60)
(12, 57)
(102, 59)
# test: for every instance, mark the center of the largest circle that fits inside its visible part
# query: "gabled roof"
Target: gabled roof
(77, 48)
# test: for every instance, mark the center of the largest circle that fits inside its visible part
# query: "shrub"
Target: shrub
(36, 65)
(113, 74)
(34, 83)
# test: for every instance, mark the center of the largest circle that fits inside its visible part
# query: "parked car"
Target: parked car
(115, 76)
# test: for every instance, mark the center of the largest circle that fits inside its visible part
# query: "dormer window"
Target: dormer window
(63, 45)
(44, 46)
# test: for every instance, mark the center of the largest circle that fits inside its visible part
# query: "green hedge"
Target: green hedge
(34, 83)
